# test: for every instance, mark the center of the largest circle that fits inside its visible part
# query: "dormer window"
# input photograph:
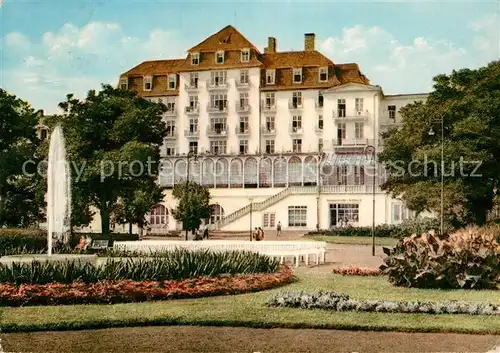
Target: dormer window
(323, 74)
(148, 83)
(219, 57)
(245, 55)
(124, 83)
(270, 77)
(172, 81)
(297, 75)
(195, 59)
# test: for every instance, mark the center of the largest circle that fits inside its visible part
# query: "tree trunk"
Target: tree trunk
(130, 228)
(105, 221)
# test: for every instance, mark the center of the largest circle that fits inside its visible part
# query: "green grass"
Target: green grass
(250, 310)
(335, 239)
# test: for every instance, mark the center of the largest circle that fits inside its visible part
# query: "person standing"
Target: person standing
(278, 229)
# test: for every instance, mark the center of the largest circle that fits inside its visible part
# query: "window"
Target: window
(359, 104)
(218, 78)
(359, 130)
(193, 125)
(320, 122)
(218, 147)
(323, 74)
(269, 146)
(297, 216)
(193, 147)
(148, 83)
(343, 214)
(399, 213)
(320, 145)
(245, 55)
(244, 77)
(195, 58)
(320, 101)
(392, 112)
(218, 125)
(124, 83)
(170, 103)
(297, 99)
(193, 102)
(218, 101)
(170, 151)
(172, 81)
(269, 220)
(243, 124)
(170, 125)
(244, 100)
(297, 75)
(270, 100)
(342, 175)
(193, 79)
(158, 217)
(270, 123)
(243, 146)
(270, 77)
(219, 57)
(359, 175)
(297, 146)
(296, 123)
(341, 129)
(341, 108)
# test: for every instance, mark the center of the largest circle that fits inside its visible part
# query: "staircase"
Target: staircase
(259, 206)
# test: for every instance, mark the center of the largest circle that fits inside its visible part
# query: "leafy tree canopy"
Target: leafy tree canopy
(193, 205)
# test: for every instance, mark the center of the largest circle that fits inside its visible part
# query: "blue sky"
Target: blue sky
(49, 49)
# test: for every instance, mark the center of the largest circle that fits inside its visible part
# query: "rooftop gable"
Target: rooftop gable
(228, 38)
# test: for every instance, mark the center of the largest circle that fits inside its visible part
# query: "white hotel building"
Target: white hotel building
(259, 124)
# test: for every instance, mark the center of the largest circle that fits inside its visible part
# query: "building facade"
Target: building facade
(276, 136)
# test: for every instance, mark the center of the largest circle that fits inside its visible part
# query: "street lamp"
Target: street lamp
(251, 209)
(432, 133)
(190, 154)
(370, 150)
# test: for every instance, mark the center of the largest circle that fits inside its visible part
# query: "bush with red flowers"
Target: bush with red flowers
(111, 292)
(357, 271)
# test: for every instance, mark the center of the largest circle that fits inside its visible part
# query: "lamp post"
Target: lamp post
(432, 133)
(370, 150)
(251, 209)
(190, 154)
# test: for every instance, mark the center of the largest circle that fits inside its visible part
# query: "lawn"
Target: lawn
(335, 239)
(250, 310)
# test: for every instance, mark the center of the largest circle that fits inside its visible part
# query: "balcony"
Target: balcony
(240, 131)
(319, 104)
(217, 85)
(350, 143)
(191, 133)
(170, 112)
(171, 134)
(245, 108)
(191, 87)
(294, 105)
(268, 108)
(295, 130)
(192, 110)
(267, 132)
(319, 130)
(217, 109)
(243, 85)
(216, 132)
(340, 115)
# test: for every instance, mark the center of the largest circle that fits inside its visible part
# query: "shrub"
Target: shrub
(342, 302)
(111, 292)
(466, 259)
(357, 271)
(176, 265)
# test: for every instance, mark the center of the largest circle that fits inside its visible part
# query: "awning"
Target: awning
(348, 160)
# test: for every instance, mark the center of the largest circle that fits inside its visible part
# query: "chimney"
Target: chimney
(271, 45)
(309, 42)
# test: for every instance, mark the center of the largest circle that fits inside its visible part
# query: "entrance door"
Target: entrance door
(333, 217)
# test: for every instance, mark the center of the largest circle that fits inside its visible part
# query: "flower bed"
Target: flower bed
(341, 302)
(111, 292)
(357, 271)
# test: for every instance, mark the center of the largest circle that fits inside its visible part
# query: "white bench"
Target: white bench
(276, 249)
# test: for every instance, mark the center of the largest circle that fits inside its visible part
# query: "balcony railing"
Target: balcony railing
(295, 105)
(319, 104)
(217, 85)
(319, 129)
(219, 108)
(245, 108)
(214, 132)
(172, 134)
(268, 107)
(294, 130)
(352, 142)
(191, 133)
(242, 131)
(267, 132)
(191, 87)
(192, 109)
(243, 85)
(343, 115)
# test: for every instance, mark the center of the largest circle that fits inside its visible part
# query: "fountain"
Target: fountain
(58, 205)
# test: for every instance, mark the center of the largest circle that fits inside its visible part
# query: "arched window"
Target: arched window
(158, 217)
(216, 213)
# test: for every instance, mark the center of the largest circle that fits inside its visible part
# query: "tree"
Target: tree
(113, 141)
(193, 205)
(468, 102)
(19, 204)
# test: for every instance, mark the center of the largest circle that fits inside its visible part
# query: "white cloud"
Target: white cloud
(17, 41)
